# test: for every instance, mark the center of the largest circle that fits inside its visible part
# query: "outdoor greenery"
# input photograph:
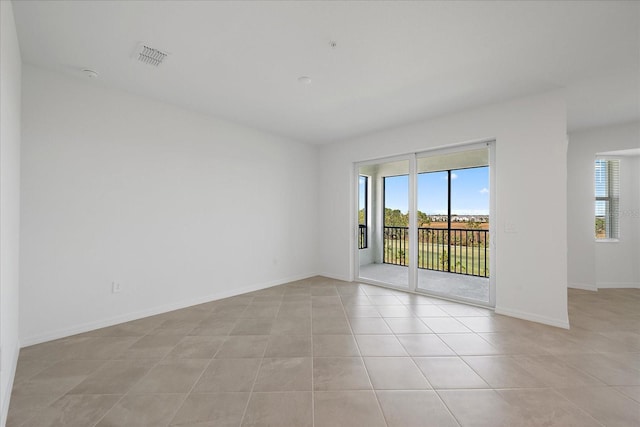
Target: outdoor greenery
(464, 259)
(600, 227)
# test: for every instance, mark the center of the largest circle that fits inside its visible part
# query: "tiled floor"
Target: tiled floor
(460, 286)
(320, 352)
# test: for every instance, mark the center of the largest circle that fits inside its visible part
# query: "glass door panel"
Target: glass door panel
(383, 221)
(453, 225)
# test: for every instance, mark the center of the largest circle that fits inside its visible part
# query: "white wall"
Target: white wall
(178, 207)
(531, 144)
(596, 265)
(10, 85)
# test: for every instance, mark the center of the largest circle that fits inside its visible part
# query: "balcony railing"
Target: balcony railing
(362, 240)
(463, 251)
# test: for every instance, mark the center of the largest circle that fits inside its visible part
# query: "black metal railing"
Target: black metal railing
(396, 245)
(362, 241)
(463, 251)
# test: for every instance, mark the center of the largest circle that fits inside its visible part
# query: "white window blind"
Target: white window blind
(607, 198)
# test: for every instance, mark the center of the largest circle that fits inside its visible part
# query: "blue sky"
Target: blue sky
(469, 192)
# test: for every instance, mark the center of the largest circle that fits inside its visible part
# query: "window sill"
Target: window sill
(607, 240)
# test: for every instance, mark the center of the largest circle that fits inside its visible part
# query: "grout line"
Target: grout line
(246, 408)
(144, 376)
(384, 417)
(201, 374)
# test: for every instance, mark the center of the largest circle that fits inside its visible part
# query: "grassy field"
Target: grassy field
(466, 257)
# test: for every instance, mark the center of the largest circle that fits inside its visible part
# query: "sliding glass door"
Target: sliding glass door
(426, 223)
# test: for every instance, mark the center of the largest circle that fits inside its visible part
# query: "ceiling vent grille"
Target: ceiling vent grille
(151, 56)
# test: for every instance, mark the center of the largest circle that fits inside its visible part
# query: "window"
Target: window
(363, 189)
(607, 199)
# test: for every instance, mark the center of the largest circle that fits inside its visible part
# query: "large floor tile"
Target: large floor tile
(425, 345)
(292, 409)
(394, 311)
(250, 346)
(334, 345)
(289, 346)
(340, 373)
(152, 347)
(480, 408)
(380, 345)
(524, 407)
(291, 326)
(228, 375)
(114, 377)
(414, 409)
(331, 325)
(213, 326)
(395, 373)
(555, 373)
(362, 311)
(145, 410)
(407, 325)
(347, 409)
(284, 374)
(469, 344)
(211, 410)
(74, 411)
(25, 406)
(58, 378)
(252, 327)
(605, 404)
(449, 373)
(604, 368)
(196, 347)
(445, 325)
(368, 325)
(502, 372)
(507, 343)
(171, 376)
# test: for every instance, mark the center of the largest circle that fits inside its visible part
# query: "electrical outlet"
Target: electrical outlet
(115, 287)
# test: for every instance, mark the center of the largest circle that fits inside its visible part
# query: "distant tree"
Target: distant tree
(395, 218)
(424, 220)
(361, 218)
(473, 225)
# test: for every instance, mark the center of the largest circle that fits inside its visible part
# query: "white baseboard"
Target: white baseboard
(583, 286)
(336, 277)
(618, 285)
(533, 317)
(6, 394)
(90, 326)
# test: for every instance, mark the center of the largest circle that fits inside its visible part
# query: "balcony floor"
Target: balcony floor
(451, 284)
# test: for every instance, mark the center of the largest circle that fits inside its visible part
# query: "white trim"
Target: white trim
(493, 221)
(413, 223)
(86, 327)
(618, 285)
(335, 277)
(532, 317)
(6, 400)
(583, 286)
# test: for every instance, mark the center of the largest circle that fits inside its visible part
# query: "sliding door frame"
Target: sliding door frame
(412, 286)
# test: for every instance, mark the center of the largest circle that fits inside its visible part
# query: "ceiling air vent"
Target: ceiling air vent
(150, 56)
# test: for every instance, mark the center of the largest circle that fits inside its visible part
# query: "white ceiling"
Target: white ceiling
(395, 62)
